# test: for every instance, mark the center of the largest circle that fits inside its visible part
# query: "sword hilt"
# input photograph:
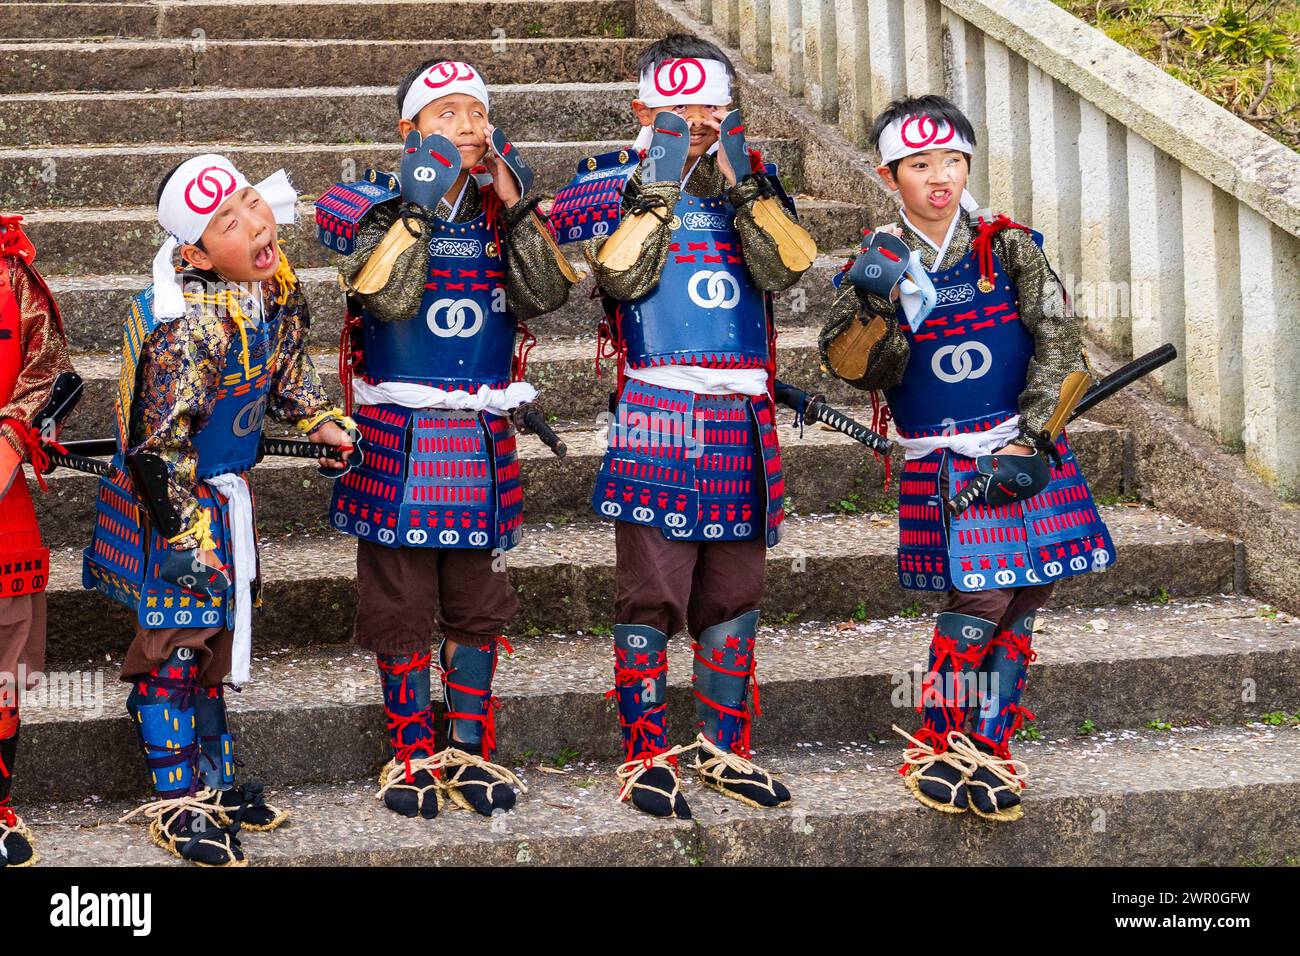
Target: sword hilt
(529, 418)
(974, 490)
(819, 411)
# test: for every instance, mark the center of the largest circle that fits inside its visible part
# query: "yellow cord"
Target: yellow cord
(309, 425)
(201, 529)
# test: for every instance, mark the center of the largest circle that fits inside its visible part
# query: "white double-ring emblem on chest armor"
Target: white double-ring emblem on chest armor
(464, 317)
(723, 291)
(249, 418)
(962, 362)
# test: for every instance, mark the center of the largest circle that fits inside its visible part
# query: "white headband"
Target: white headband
(917, 133)
(190, 199)
(443, 79)
(681, 82)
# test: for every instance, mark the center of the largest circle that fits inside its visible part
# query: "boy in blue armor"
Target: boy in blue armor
(206, 356)
(443, 264)
(688, 234)
(957, 316)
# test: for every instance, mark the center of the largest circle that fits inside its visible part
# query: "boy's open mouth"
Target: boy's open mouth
(940, 197)
(264, 258)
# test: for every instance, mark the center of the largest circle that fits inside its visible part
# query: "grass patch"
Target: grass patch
(1241, 54)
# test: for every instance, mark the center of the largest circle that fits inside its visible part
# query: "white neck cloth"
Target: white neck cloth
(189, 201)
(681, 82)
(917, 133)
(443, 79)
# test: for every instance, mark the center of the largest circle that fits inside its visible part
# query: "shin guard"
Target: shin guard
(723, 674)
(1003, 673)
(161, 705)
(641, 685)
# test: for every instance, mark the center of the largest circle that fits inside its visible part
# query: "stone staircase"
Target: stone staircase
(1163, 658)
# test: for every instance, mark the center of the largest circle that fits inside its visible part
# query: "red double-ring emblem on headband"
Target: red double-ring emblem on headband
(680, 75)
(449, 71)
(210, 186)
(928, 130)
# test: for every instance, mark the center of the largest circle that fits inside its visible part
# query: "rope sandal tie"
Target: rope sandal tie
(252, 797)
(630, 773)
(710, 771)
(1009, 771)
(456, 760)
(922, 755)
(11, 822)
(400, 775)
(163, 815)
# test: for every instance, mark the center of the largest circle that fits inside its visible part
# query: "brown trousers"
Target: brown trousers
(664, 584)
(1002, 606)
(22, 643)
(153, 645)
(403, 594)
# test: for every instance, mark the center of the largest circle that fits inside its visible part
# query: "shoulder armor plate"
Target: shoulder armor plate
(345, 204)
(590, 206)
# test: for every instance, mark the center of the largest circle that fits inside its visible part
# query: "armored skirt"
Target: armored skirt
(700, 467)
(432, 479)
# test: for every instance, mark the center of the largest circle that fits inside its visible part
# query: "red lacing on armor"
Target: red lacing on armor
(397, 725)
(1020, 643)
(7, 815)
(610, 345)
(881, 416)
(937, 741)
(349, 356)
(1020, 715)
(982, 244)
(36, 448)
(526, 342)
(488, 717)
(1001, 748)
(741, 747)
(417, 662)
(639, 732)
(945, 650)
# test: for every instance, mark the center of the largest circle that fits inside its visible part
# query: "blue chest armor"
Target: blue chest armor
(119, 562)
(705, 310)
(431, 478)
(968, 364)
(699, 467)
(462, 337)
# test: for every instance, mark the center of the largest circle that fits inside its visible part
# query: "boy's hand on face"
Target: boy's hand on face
(724, 166)
(503, 180)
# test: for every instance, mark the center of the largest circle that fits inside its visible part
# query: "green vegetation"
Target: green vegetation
(1158, 725)
(1086, 728)
(1242, 54)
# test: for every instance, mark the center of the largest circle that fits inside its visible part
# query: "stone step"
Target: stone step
(1116, 667)
(45, 66)
(93, 306)
(824, 471)
(374, 19)
(129, 175)
(826, 568)
(562, 369)
(76, 240)
(313, 114)
(1223, 796)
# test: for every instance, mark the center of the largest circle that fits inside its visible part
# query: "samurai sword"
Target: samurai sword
(529, 417)
(91, 466)
(1119, 379)
(814, 409)
(295, 448)
(277, 447)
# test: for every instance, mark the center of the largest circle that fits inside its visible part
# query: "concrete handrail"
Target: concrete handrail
(1168, 218)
